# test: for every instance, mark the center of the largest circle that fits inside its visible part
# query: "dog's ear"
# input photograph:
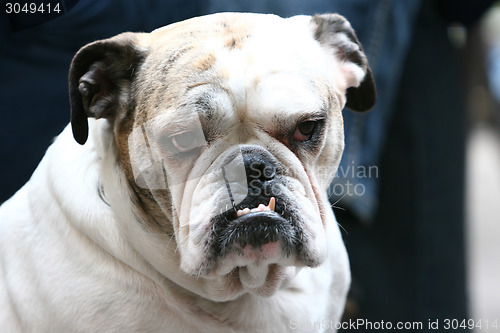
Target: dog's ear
(99, 79)
(335, 33)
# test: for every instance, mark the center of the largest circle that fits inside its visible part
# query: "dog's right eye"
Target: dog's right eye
(304, 130)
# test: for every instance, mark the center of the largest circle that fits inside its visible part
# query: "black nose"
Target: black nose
(260, 166)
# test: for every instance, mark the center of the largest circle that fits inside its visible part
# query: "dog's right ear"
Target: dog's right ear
(337, 36)
(99, 80)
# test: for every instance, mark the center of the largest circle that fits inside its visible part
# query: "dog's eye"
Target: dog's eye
(185, 141)
(304, 130)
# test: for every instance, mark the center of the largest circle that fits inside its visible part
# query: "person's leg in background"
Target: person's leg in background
(410, 264)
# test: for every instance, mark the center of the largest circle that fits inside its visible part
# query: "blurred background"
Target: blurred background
(481, 63)
(423, 237)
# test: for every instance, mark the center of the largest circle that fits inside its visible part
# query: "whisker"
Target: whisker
(340, 225)
(336, 202)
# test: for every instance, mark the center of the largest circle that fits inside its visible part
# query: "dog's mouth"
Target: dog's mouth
(264, 233)
(256, 227)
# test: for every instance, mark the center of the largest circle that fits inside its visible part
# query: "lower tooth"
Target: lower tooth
(261, 207)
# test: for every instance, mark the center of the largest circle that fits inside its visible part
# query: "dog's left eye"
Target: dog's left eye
(304, 130)
(185, 141)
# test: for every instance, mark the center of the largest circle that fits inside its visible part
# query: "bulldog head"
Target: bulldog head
(228, 130)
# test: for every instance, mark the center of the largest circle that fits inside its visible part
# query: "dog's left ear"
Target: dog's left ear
(99, 79)
(335, 33)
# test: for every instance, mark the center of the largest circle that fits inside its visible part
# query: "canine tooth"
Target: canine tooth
(272, 203)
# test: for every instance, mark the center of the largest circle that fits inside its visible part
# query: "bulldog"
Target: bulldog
(189, 192)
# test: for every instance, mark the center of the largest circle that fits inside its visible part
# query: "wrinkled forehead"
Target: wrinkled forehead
(253, 63)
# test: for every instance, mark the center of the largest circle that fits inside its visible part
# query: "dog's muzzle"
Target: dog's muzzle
(261, 217)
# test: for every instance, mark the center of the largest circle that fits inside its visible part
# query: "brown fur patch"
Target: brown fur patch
(236, 35)
(148, 210)
(205, 62)
(236, 42)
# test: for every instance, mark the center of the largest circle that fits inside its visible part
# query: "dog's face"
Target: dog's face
(228, 129)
